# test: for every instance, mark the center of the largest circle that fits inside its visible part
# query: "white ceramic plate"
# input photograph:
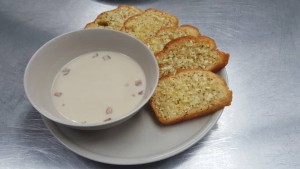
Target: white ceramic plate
(137, 141)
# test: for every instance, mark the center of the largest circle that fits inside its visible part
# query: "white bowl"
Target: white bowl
(51, 57)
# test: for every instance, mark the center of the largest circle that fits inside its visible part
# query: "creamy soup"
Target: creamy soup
(98, 87)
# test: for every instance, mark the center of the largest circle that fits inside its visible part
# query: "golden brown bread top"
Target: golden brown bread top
(166, 34)
(189, 94)
(146, 24)
(114, 19)
(191, 52)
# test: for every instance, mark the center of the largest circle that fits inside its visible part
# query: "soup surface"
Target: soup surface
(98, 86)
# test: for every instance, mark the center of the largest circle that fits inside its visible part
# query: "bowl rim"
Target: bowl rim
(69, 122)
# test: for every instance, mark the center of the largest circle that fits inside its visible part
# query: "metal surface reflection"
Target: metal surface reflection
(259, 130)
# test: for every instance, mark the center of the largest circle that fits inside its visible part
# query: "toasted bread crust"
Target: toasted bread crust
(204, 39)
(186, 26)
(191, 52)
(115, 18)
(193, 30)
(166, 117)
(146, 24)
(224, 58)
(166, 34)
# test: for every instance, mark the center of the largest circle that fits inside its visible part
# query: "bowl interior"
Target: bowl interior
(51, 57)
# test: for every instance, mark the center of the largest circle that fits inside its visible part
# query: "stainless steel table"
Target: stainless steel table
(261, 129)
